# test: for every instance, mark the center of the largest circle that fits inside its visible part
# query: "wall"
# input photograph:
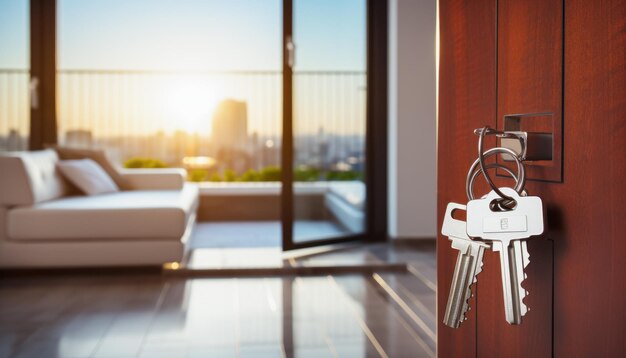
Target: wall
(412, 119)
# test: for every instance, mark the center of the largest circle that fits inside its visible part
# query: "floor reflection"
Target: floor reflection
(152, 316)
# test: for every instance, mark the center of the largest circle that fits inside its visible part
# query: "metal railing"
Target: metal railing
(14, 109)
(168, 114)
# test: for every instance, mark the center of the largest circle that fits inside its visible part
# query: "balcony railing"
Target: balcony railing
(168, 114)
(14, 109)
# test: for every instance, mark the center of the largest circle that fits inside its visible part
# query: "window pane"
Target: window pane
(14, 75)
(329, 118)
(172, 79)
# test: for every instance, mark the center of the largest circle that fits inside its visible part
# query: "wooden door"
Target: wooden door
(564, 61)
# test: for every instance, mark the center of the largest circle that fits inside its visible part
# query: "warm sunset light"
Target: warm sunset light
(192, 104)
(200, 162)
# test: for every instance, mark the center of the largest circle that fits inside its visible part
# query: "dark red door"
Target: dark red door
(564, 65)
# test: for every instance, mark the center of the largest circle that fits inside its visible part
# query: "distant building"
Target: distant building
(230, 136)
(15, 141)
(80, 138)
(270, 153)
(230, 125)
(181, 146)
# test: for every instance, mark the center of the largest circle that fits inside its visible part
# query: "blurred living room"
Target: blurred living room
(212, 178)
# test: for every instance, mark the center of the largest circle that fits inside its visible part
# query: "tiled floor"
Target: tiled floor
(142, 315)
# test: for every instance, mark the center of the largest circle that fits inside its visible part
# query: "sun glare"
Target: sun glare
(191, 106)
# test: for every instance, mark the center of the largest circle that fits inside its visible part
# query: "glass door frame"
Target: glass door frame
(375, 138)
(43, 118)
(43, 123)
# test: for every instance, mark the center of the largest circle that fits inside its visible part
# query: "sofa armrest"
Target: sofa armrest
(155, 179)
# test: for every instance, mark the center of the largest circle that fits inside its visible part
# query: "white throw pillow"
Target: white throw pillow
(87, 176)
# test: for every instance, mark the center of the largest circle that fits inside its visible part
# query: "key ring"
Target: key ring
(481, 160)
(503, 204)
(520, 178)
(476, 173)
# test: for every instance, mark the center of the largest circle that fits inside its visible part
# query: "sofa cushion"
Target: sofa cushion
(141, 214)
(98, 156)
(88, 176)
(155, 178)
(28, 178)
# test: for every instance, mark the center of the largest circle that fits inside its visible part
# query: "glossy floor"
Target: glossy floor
(143, 315)
(246, 234)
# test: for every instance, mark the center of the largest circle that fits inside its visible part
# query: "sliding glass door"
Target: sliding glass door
(325, 114)
(198, 85)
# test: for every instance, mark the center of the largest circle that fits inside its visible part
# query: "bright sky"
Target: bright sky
(330, 35)
(191, 34)
(14, 34)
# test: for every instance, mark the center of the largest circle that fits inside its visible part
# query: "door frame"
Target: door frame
(42, 79)
(375, 136)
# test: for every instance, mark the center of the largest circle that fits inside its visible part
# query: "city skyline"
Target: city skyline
(321, 151)
(154, 84)
(135, 103)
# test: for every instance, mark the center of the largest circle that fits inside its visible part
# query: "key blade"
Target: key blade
(520, 251)
(477, 269)
(479, 266)
(454, 308)
(469, 264)
(525, 253)
(510, 284)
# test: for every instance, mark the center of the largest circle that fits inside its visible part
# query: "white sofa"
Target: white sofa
(42, 226)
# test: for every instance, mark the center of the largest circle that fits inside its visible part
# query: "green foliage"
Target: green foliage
(250, 176)
(138, 162)
(215, 177)
(306, 174)
(230, 175)
(198, 175)
(270, 174)
(344, 175)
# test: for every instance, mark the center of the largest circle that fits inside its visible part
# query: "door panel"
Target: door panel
(589, 208)
(467, 97)
(529, 81)
(533, 338)
(576, 277)
(530, 73)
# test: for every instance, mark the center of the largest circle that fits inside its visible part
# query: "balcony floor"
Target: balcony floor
(248, 234)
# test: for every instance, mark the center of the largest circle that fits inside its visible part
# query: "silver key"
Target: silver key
(506, 229)
(469, 264)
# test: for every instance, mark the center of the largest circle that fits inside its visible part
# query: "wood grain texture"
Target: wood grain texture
(533, 338)
(529, 81)
(585, 211)
(467, 97)
(590, 243)
(530, 72)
